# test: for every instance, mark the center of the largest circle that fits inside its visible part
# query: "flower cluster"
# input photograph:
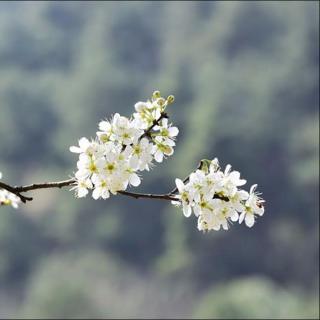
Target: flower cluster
(215, 198)
(7, 198)
(123, 147)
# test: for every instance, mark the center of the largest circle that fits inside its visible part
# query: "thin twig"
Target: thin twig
(168, 197)
(163, 115)
(45, 185)
(23, 198)
(60, 184)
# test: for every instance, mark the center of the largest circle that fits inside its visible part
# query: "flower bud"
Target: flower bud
(161, 102)
(170, 99)
(156, 94)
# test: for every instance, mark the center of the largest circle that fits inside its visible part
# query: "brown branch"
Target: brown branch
(60, 184)
(70, 182)
(45, 185)
(23, 198)
(149, 196)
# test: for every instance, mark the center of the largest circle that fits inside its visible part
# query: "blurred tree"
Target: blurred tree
(245, 76)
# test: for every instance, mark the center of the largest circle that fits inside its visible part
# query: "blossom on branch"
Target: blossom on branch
(124, 147)
(215, 199)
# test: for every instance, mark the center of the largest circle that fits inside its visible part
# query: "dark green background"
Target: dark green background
(245, 77)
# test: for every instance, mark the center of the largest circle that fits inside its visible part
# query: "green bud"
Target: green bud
(156, 94)
(161, 102)
(170, 99)
(205, 165)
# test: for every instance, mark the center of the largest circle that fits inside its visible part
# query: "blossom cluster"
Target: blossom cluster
(215, 197)
(8, 198)
(123, 147)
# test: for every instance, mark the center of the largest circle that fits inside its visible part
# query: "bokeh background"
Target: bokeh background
(245, 77)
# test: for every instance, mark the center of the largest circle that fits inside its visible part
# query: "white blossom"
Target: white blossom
(86, 147)
(81, 187)
(101, 189)
(123, 147)
(161, 149)
(141, 154)
(253, 205)
(166, 131)
(215, 198)
(186, 197)
(126, 146)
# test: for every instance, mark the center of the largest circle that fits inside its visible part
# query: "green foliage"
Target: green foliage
(253, 298)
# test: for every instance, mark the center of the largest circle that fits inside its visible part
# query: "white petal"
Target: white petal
(225, 225)
(96, 194)
(242, 216)
(139, 106)
(235, 216)
(227, 169)
(105, 194)
(259, 211)
(197, 210)
(158, 156)
(187, 210)
(169, 142)
(173, 131)
(164, 123)
(104, 126)
(179, 185)
(253, 188)
(176, 203)
(84, 158)
(82, 174)
(14, 204)
(134, 162)
(144, 142)
(82, 192)
(243, 195)
(234, 175)
(84, 143)
(216, 227)
(249, 220)
(134, 180)
(75, 149)
(241, 182)
(89, 184)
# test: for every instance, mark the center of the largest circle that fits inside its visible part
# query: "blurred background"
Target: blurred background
(245, 77)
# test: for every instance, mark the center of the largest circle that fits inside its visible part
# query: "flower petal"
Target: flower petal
(75, 149)
(179, 185)
(249, 220)
(96, 194)
(187, 210)
(173, 131)
(158, 156)
(134, 179)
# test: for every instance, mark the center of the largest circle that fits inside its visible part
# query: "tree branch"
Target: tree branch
(60, 184)
(168, 197)
(64, 183)
(45, 185)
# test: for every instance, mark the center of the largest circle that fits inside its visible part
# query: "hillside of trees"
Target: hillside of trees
(245, 76)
